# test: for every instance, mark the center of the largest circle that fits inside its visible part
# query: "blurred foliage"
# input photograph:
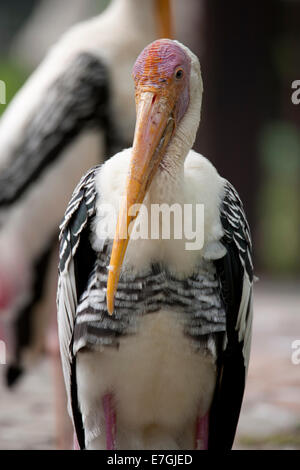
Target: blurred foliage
(14, 76)
(102, 4)
(279, 209)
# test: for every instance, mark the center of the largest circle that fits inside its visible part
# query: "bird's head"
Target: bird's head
(168, 88)
(162, 77)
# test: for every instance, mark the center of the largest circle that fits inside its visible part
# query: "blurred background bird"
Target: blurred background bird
(155, 332)
(73, 112)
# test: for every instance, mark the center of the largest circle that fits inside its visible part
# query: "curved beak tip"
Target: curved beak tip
(110, 310)
(110, 304)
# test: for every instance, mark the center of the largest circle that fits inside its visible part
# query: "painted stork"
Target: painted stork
(155, 338)
(74, 111)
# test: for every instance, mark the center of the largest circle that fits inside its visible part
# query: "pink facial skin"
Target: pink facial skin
(164, 66)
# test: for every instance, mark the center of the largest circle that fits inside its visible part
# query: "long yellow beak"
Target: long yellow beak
(154, 128)
(164, 18)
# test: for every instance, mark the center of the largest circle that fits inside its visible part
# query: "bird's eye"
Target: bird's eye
(179, 74)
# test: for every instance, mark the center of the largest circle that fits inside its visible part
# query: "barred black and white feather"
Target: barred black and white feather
(196, 298)
(77, 216)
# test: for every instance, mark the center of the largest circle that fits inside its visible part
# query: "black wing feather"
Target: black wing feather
(235, 271)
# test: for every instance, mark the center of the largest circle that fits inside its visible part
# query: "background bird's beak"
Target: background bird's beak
(154, 128)
(164, 18)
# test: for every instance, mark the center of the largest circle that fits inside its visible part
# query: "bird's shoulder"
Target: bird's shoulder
(197, 161)
(203, 174)
(204, 186)
(111, 178)
(203, 178)
(222, 204)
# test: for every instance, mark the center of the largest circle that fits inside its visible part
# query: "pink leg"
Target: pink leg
(202, 433)
(75, 443)
(110, 421)
(7, 293)
(2, 331)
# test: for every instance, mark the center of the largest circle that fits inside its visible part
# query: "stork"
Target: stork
(74, 111)
(155, 338)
